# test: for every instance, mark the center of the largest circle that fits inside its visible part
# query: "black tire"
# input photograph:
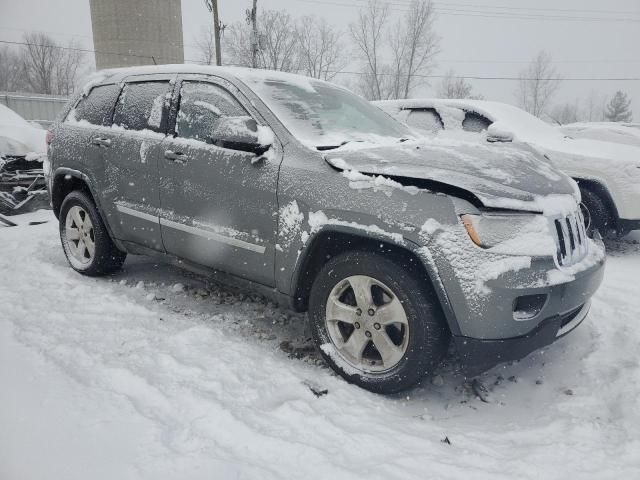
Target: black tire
(107, 257)
(597, 215)
(428, 335)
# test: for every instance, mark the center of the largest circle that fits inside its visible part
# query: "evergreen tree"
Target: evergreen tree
(618, 108)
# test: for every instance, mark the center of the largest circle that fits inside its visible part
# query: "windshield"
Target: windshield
(323, 116)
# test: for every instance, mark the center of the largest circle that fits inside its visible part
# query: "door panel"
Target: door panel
(218, 206)
(131, 165)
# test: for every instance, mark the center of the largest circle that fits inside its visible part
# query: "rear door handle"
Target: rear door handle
(177, 157)
(101, 142)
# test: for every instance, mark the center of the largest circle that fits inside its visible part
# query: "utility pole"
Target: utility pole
(212, 5)
(254, 35)
(216, 30)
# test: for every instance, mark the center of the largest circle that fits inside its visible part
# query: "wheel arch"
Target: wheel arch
(599, 189)
(67, 180)
(330, 242)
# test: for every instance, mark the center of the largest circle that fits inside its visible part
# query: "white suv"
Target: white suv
(608, 173)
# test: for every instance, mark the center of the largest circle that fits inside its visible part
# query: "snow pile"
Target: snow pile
(18, 137)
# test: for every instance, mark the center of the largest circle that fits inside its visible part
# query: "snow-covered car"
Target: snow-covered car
(22, 150)
(608, 173)
(308, 193)
(625, 133)
(18, 138)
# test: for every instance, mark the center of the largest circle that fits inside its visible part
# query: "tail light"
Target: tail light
(49, 137)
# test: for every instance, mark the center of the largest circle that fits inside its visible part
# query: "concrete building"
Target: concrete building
(136, 32)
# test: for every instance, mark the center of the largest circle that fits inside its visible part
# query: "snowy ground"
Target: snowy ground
(136, 377)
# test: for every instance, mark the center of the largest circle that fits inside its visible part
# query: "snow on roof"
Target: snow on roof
(524, 125)
(248, 75)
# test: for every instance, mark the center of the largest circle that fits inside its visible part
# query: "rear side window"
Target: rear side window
(201, 105)
(426, 120)
(97, 107)
(143, 106)
(474, 122)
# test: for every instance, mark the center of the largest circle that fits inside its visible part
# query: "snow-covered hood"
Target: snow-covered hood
(596, 149)
(499, 175)
(21, 140)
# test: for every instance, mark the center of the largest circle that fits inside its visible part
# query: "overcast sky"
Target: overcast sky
(474, 42)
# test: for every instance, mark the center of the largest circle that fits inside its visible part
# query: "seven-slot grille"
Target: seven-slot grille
(571, 238)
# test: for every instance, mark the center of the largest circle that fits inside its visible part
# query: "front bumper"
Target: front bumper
(478, 355)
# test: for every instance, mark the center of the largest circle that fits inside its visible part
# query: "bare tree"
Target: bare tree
(277, 42)
(593, 107)
(67, 68)
(39, 59)
(237, 44)
(367, 34)
(278, 45)
(566, 113)
(538, 84)
(206, 45)
(420, 46)
(10, 69)
(452, 86)
(322, 53)
(48, 67)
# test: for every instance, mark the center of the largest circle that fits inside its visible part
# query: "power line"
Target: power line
(480, 77)
(343, 72)
(451, 11)
(87, 50)
(191, 45)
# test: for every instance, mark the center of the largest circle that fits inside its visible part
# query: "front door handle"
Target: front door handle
(101, 142)
(177, 157)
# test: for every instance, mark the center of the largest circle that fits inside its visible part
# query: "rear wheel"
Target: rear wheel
(376, 324)
(597, 215)
(85, 240)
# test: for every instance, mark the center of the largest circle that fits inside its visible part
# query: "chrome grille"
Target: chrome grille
(571, 238)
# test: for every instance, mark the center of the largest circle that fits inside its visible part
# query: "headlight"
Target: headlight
(490, 229)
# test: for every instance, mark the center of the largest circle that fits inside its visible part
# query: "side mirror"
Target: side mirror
(498, 132)
(242, 133)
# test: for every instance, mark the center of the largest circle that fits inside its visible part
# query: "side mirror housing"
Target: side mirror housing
(498, 132)
(241, 133)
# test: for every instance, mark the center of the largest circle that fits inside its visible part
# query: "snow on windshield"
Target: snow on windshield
(322, 115)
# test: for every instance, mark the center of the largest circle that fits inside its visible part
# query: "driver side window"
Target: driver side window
(201, 105)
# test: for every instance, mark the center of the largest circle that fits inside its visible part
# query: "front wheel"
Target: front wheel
(85, 239)
(376, 324)
(596, 214)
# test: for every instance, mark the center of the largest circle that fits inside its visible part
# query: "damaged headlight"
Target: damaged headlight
(490, 229)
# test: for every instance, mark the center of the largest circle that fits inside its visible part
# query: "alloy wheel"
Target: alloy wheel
(80, 236)
(367, 324)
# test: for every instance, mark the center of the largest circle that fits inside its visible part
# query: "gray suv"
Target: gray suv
(305, 191)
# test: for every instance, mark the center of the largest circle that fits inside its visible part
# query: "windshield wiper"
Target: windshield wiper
(322, 148)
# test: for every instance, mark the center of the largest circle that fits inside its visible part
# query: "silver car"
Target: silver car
(306, 192)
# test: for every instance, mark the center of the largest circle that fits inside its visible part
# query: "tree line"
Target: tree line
(40, 65)
(386, 58)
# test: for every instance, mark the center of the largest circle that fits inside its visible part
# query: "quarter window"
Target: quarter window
(143, 106)
(426, 120)
(201, 105)
(97, 107)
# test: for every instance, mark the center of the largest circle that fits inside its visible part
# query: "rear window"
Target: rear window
(143, 106)
(426, 120)
(97, 107)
